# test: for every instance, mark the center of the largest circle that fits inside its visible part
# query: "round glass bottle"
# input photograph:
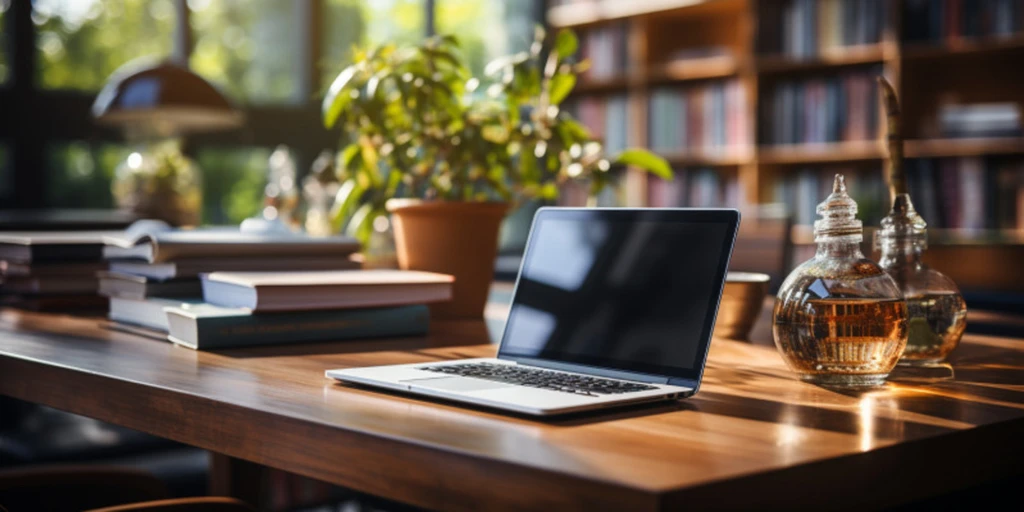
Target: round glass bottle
(839, 320)
(936, 312)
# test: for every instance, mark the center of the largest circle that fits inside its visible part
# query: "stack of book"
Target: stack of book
(604, 47)
(706, 118)
(969, 192)
(936, 21)
(154, 269)
(842, 107)
(263, 308)
(51, 270)
(803, 29)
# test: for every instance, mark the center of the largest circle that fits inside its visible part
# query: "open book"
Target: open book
(155, 242)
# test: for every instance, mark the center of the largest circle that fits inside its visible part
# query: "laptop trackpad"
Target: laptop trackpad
(462, 384)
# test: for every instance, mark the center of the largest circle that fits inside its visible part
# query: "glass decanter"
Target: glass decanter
(839, 320)
(936, 312)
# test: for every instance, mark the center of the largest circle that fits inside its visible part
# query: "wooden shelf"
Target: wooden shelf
(693, 69)
(962, 47)
(727, 157)
(588, 13)
(821, 153)
(659, 32)
(849, 56)
(603, 85)
(930, 148)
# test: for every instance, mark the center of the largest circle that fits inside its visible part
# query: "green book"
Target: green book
(209, 327)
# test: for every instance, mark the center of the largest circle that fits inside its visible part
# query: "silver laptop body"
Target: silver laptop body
(612, 306)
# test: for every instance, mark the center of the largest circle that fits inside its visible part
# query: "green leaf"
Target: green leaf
(646, 160)
(549, 191)
(443, 56)
(566, 43)
(346, 156)
(344, 201)
(338, 96)
(361, 225)
(369, 154)
(561, 86)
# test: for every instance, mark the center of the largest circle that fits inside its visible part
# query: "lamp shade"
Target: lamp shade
(163, 98)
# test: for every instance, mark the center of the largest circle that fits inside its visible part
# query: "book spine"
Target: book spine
(280, 328)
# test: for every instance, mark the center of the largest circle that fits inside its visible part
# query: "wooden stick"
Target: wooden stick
(897, 179)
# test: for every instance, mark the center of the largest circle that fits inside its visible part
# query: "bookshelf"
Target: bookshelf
(820, 54)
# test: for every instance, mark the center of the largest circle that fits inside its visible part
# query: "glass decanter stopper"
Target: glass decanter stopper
(936, 312)
(840, 320)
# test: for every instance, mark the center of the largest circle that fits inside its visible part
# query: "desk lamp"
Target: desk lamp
(155, 103)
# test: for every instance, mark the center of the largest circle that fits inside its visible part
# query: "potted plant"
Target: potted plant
(448, 154)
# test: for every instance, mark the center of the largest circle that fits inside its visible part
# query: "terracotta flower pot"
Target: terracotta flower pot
(457, 238)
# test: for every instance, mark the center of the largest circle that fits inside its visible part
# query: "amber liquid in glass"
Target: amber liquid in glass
(935, 324)
(836, 339)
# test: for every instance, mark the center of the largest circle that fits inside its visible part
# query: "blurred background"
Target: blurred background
(755, 103)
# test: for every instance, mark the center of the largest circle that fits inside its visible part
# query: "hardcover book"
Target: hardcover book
(306, 290)
(208, 327)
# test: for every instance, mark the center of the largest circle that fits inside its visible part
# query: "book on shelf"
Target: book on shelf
(131, 286)
(942, 21)
(192, 268)
(804, 29)
(699, 61)
(968, 192)
(208, 327)
(695, 187)
(307, 290)
(605, 47)
(801, 190)
(706, 118)
(980, 120)
(835, 108)
(166, 246)
(607, 118)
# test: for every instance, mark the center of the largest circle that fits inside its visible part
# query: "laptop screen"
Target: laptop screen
(632, 290)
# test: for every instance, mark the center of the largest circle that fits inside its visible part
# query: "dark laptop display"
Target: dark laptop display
(636, 292)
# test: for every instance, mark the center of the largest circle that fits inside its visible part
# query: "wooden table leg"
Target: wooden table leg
(237, 478)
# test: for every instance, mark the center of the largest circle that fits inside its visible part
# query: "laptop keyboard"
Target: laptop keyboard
(543, 379)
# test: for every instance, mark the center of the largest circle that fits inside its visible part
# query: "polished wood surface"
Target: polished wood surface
(753, 436)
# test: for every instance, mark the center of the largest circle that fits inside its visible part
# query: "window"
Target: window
(344, 26)
(349, 24)
(487, 28)
(257, 51)
(79, 174)
(233, 182)
(396, 21)
(249, 47)
(80, 43)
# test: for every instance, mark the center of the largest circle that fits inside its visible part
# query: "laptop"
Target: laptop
(612, 306)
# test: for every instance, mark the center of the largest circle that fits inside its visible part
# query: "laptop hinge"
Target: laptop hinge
(588, 370)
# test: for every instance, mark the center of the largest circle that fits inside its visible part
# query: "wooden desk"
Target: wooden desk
(753, 436)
